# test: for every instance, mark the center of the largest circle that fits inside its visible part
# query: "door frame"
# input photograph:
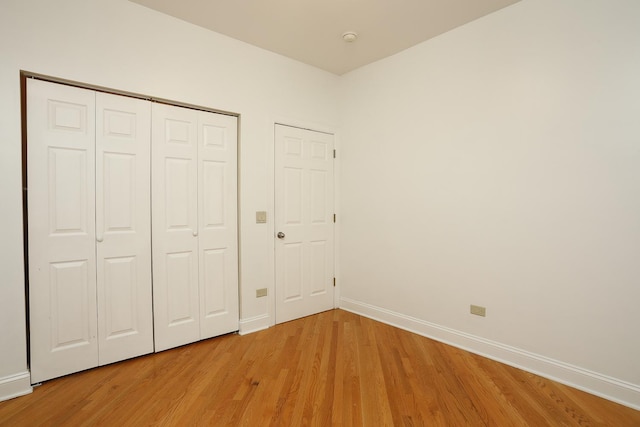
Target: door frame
(315, 127)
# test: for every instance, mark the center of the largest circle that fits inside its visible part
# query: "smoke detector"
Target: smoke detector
(350, 36)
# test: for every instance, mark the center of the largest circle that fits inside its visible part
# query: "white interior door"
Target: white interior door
(61, 227)
(303, 222)
(123, 228)
(174, 154)
(218, 231)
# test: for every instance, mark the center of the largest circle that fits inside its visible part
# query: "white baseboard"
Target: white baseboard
(254, 324)
(592, 382)
(15, 385)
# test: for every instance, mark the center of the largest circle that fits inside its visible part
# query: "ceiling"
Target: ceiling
(311, 31)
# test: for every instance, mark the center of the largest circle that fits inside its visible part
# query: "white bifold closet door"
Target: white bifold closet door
(88, 228)
(195, 250)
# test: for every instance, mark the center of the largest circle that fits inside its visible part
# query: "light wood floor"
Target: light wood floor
(331, 369)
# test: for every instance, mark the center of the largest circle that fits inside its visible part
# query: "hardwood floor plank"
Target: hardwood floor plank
(331, 369)
(375, 400)
(339, 396)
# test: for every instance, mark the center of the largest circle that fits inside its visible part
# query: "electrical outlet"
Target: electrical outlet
(261, 292)
(478, 310)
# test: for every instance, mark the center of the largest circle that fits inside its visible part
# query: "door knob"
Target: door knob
(280, 235)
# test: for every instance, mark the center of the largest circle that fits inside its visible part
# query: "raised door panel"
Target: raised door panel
(123, 228)
(68, 192)
(182, 307)
(293, 272)
(175, 226)
(69, 309)
(304, 213)
(218, 246)
(293, 185)
(214, 301)
(61, 225)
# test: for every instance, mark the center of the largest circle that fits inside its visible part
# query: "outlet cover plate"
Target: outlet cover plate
(478, 310)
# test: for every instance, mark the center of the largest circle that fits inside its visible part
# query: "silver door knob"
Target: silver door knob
(280, 235)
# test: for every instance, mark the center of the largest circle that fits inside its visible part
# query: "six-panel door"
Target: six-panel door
(304, 216)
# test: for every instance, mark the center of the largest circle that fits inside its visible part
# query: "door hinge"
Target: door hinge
(334, 282)
(334, 218)
(334, 154)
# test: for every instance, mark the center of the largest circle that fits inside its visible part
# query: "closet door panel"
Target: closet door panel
(218, 248)
(182, 308)
(175, 226)
(123, 227)
(61, 226)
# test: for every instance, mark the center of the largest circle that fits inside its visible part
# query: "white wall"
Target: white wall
(121, 45)
(499, 165)
(494, 165)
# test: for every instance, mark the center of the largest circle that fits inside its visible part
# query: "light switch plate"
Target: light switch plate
(261, 217)
(261, 292)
